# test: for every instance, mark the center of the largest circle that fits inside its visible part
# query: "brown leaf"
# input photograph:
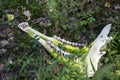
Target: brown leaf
(2, 67)
(3, 51)
(4, 43)
(117, 6)
(42, 21)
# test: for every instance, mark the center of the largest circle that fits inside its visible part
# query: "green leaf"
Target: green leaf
(103, 72)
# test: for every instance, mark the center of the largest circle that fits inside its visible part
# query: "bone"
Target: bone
(57, 49)
(95, 52)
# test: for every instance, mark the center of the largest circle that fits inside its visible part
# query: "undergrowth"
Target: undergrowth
(75, 20)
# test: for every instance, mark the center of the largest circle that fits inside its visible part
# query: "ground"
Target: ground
(21, 56)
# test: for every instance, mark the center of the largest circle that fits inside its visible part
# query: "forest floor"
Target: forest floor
(16, 47)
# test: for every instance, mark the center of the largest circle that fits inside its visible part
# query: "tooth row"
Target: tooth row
(68, 42)
(23, 25)
(57, 49)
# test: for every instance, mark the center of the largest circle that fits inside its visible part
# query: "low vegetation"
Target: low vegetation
(22, 57)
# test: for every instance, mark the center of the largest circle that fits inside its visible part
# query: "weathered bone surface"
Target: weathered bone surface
(95, 52)
(24, 26)
(93, 56)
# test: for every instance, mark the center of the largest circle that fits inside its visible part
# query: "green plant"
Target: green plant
(69, 15)
(111, 68)
(74, 20)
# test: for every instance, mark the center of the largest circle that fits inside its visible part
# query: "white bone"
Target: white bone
(94, 53)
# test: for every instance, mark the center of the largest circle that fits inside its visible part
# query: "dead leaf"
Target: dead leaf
(42, 21)
(2, 67)
(3, 51)
(4, 43)
(10, 61)
(27, 14)
(107, 4)
(2, 35)
(51, 10)
(117, 6)
(10, 17)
